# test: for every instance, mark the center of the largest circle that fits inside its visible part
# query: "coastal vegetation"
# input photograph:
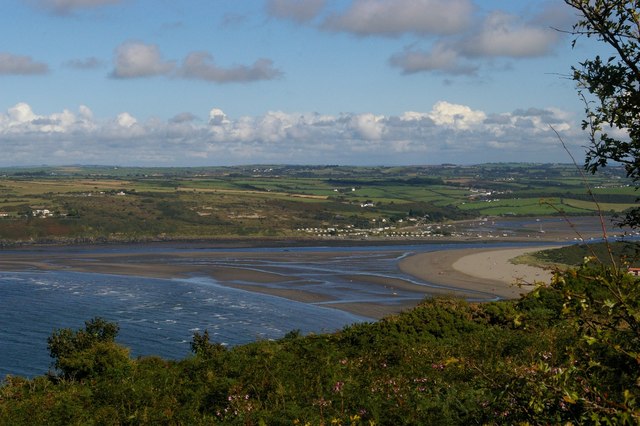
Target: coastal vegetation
(617, 254)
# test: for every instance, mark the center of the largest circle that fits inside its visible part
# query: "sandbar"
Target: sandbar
(481, 269)
(482, 274)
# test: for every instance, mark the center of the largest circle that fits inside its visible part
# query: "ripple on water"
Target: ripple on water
(32, 304)
(140, 306)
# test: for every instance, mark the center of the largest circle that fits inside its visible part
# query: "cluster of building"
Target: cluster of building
(485, 195)
(381, 228)
(91, 194)
(42, 213)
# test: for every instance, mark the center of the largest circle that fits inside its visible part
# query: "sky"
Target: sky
(229, 82)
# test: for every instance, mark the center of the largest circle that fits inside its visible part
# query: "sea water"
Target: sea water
(156, 316)
(160, 316)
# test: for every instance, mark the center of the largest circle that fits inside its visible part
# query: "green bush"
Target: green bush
(87, 352)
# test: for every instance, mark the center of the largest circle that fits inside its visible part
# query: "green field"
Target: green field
(129, 204)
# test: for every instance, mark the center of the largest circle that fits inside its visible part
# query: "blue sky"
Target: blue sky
(220, 82)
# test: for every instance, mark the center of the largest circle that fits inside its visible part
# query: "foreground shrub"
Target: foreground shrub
(87, 352)
(597, 378)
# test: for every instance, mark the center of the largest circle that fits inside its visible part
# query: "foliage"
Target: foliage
(597, 380)
(203, 347)
(87, 352)
(627, 252)
(611, 86)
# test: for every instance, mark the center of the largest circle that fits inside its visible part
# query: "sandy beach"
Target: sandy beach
(486, 270)
(481, 274)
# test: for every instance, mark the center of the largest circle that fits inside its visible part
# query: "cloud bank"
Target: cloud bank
(135, 59)
(453, 37)
(499, 35)
(447, 133)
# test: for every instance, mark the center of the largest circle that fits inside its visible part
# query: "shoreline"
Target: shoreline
(491, 229)
(479, 274)
(253, 243)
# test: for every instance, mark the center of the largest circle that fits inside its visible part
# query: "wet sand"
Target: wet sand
(479, 274)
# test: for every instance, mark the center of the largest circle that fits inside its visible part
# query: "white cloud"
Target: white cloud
(296, 10)
(367, 126)
(217, 117)
(458, 117)
(136, 59)
(506, 35)
(21, 113)
(442, 58)
(20, 121)
(200, 66)
(413, 116)
(85, 113)
(396, 17)
(125, 120)
(20, 65)
(455, 37)
(448, 132)
(496, 35)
